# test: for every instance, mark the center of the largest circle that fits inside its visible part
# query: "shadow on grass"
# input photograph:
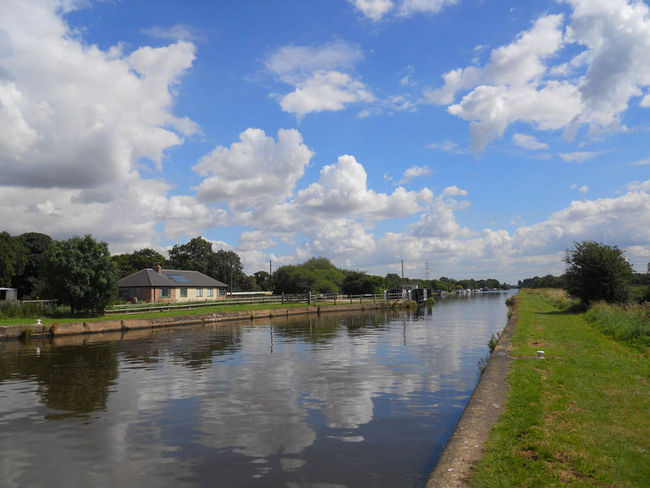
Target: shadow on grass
(575, 309)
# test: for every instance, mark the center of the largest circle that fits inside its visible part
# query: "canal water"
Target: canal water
(355, 400)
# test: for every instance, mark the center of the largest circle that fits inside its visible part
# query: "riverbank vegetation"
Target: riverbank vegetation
(67, 317)
(596, 272)
(580, 416)
(629, 322)
(81, 274)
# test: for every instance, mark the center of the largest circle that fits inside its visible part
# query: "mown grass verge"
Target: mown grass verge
(579, 417)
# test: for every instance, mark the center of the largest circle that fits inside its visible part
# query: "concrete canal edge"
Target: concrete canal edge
(73, 328)
(465, 446)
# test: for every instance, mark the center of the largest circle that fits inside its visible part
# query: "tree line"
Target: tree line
(596, 272)
(82, 273)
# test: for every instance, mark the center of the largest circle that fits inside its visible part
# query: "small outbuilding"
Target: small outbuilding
(170, 285)
(8, 294)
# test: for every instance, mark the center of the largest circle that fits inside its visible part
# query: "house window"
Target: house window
(165, 293)
(183, 292)
(222, 292)
(199, 292)
(210, 292)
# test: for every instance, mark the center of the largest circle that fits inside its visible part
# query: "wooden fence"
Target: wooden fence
(307, 299)
(41, 303)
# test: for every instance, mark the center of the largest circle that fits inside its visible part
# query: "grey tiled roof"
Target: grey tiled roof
(149, 277)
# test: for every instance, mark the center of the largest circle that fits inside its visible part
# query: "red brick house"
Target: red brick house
(170, 285)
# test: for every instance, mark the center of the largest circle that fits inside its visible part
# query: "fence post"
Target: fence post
(350, 298)
(374, 297)
(283, 298)
(309, 298)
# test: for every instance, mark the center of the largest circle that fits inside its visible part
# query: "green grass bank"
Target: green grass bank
(173, 318)
(154, 314)
(581, 415)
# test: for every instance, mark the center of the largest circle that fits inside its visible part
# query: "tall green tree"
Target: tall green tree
(392, 281)
(597, 272)
(128, 264)
(226, 264)
(222, 265)
(7, 259)
(316, 274)
(12, 258)
(293, 279)
(28, 279)
(263, 280)
(80, 272)
(548, 281)
(194, 255)
(358, 282)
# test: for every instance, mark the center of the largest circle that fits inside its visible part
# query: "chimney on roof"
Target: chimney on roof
(157, 268)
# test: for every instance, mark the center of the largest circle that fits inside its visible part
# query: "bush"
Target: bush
(12, 310)
(560, 300)
(80, 272)
(492, 343)
(629, 323)
(597, 272)
(640, 294)
(512, 301)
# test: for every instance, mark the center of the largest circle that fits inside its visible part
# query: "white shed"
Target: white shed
(8, 294)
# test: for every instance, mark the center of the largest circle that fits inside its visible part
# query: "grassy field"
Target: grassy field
(579, 417)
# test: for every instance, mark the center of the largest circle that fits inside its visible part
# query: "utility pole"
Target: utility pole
(270, 267)
(402, 272)
(426, 271)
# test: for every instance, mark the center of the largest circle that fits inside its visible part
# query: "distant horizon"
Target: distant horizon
(476, 138)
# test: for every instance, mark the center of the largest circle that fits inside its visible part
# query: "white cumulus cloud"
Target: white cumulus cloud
(578, 156)
(78, 122)
(415, 172)
(67, 108)
(373, 9)
(412, 7)
(257, 170)
(342, 190)
(520, 83)
(330, 90)
(320, 76)
(531, 249)
(378, 9)
(529, 142)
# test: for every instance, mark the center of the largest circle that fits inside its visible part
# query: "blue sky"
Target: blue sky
(480, 137)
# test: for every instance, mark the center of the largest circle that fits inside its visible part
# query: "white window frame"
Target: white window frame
(199, 292)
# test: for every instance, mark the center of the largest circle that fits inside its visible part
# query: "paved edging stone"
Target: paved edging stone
(60, 329)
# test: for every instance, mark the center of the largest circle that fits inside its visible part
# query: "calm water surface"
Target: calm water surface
(353, 400)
